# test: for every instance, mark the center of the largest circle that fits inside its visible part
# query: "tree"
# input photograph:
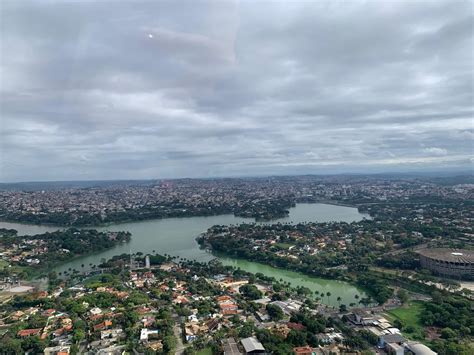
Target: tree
(74, 349)
(169, 343)
(296, 338)
(78, 335)
(369, 336)
(402, 296)
(274, 312)
(246, 330)
(448, 333)
(398, 323)
(250, 292)
(11, 346)
(189, 351)
(277, 287)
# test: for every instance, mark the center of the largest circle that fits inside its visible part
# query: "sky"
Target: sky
(165, 89)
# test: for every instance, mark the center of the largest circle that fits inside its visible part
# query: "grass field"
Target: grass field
(283, 246)
(205, 351)
(409, 315)
(102, 280)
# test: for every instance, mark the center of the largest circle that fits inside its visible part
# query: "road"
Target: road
(414, 248)
(178, 335)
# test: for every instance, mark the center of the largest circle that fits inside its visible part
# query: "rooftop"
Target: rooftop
(450, 255)
(230, 347)
(420, 349)
(252, 344)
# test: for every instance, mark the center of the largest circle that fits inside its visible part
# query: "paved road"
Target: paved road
(414, 248)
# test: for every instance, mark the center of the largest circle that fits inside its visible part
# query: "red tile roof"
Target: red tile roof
(28, 332)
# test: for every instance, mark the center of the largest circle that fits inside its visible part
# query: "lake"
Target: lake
(177, 236)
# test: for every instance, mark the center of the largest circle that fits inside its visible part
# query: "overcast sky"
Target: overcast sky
(119, 90)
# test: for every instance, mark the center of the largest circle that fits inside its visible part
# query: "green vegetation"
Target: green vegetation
(3, 264)
(42, 252)
(283, 246)
(376, 287)
(205, 351)
(408, 319)
(250, 292)
(103, 280)
(275, 312)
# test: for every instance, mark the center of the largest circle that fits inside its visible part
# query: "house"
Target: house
(180, 299)
(103, 325)
(145, 333)
(330, 337)
(112, 350)
(289, 306)
(304, 350)
(57, 350)
(224, 298)
(17, 315)
(28, 332)
(296, 326)
(262, 317)
(252, 346)
(95, 311)
(155, 345)
(49, 312)
(212, 324)
(230, 347)
(111, 333)
(228, 308)
(263, 301)
(193, 318)
(192, 330)
(148, 321)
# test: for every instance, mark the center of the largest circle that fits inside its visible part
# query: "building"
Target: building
(448, 262)
(394, 349)
(305, 350)
(147, 261)
(29, 332)
(252, 346)
(362, 317)
(145, 333)
(57, 350)
(390, 339)
(230, 347)
(416, 348)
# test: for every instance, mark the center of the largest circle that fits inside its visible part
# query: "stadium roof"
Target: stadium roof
(450, 255)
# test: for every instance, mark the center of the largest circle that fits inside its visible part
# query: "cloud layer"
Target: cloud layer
(109, 89)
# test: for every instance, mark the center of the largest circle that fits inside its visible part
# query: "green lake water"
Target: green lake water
(177, 236)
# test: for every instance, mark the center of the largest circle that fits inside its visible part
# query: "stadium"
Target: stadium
(457, 263)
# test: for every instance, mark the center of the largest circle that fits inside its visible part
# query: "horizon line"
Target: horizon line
(461, 172)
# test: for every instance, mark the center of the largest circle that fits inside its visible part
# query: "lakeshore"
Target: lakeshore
(176, 237)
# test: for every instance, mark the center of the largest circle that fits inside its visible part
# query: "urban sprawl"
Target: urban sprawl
(412, 258)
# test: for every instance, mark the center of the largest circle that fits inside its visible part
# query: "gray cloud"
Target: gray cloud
(101, 90)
